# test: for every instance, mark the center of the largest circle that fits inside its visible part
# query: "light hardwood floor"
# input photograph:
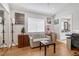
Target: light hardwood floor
(61, 50)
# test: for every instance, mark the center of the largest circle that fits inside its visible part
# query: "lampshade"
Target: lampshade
(13, 20)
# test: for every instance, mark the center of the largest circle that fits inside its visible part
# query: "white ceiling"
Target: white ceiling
(43, 8)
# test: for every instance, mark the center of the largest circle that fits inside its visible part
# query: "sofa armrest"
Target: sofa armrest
(31, 41)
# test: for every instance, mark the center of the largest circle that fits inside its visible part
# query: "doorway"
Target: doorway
(65, 27)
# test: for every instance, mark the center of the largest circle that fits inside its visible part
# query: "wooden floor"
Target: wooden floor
(61, 50)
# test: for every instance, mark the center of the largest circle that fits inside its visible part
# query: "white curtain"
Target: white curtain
(36, 24)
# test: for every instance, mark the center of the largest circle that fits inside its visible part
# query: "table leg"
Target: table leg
(54, 47)
(45, 51)
(40, 45)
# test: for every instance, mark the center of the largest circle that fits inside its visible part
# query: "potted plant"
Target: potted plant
(23, 30)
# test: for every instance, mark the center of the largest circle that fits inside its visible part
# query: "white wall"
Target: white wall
(70, 11)
(1, 8)
(17, 27)
(10, 14)
(6, 7)
(6, 26)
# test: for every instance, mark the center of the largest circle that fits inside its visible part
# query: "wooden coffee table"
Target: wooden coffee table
(47, 43)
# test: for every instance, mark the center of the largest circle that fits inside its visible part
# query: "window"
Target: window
(19, 18)
(35, 25)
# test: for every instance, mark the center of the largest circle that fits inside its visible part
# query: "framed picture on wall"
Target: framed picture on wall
(49, 20)
(56, 21)
(19, 18)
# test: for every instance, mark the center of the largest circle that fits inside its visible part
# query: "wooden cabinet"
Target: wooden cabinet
(23, 41)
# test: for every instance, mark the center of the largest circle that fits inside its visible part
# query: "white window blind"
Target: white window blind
(35, 25)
